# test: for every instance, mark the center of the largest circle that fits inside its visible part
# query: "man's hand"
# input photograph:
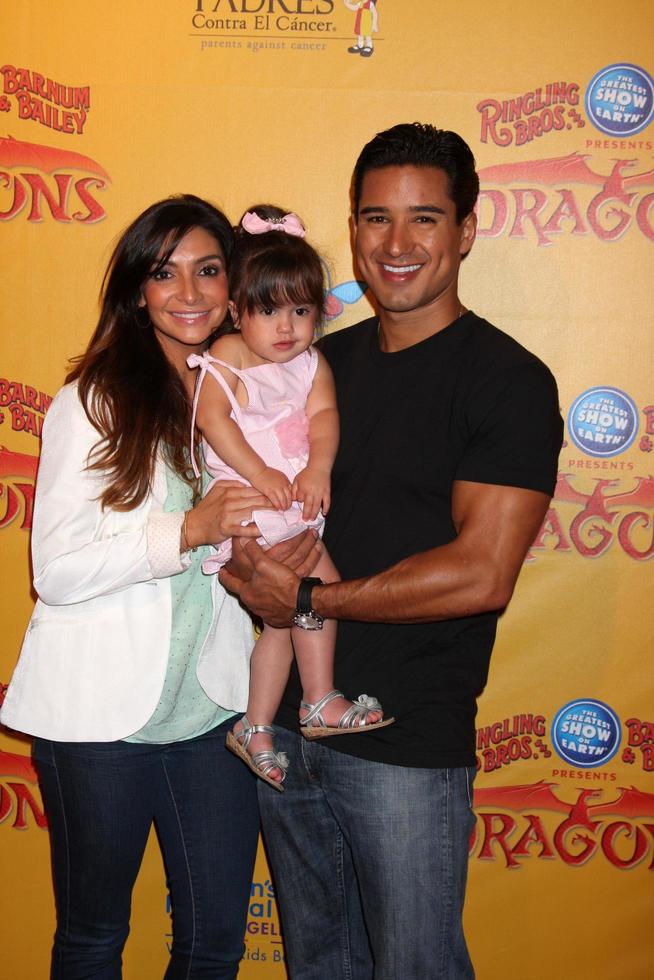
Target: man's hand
(474, 573)
(266, 586)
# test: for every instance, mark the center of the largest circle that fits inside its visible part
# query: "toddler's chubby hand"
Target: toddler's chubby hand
(312, 487)
(275, 485)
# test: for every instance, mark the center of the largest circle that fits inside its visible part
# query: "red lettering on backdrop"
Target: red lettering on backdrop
(20, 196)
(57, 199)
(63, 108)
(25, 802)
(642, 215)
(14, 467)
(532, 115)
(621, 827)
(521, 833)
(40, 189)
(594, 528)
(16, 796)
(641, 736)
(95, 210)
(53, 185)
(615, 206)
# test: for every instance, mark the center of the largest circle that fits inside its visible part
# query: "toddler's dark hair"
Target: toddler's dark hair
(274, 268)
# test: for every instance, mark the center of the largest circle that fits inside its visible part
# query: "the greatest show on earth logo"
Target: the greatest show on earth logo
(603, 421)
(620, 100)
(586, 733)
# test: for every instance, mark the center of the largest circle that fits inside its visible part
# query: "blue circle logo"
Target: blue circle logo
(620, 100)
(586, 733)
(603, 422)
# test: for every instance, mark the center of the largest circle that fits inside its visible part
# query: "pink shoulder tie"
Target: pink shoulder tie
(202, 361)
(205, 362)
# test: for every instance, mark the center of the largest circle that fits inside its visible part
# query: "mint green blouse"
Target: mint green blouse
(184, 710)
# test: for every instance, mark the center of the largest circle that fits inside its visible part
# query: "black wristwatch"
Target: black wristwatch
(305, 616)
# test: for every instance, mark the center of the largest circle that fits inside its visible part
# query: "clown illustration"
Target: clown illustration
(365, 25)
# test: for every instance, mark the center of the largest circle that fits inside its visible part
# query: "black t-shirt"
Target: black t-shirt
(468, 403)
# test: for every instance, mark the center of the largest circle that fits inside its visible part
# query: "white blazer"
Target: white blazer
(95, 653)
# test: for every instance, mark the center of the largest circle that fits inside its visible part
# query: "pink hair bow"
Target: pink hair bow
(255, 225)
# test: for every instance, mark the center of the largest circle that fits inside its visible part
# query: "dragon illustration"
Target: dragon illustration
(19, 153)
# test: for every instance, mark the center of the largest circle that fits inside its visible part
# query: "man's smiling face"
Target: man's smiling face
(408, 243)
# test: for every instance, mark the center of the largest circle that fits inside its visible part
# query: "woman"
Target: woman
(134, 662)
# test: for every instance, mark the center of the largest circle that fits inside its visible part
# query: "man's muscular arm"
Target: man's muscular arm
(474, 573)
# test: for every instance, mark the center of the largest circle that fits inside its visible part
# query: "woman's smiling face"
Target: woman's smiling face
(186, 299)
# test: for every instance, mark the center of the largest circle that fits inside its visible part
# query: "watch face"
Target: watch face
(308, 620)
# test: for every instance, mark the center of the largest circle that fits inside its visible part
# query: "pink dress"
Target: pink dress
(275, 424)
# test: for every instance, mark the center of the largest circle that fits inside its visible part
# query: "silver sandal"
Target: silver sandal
(351, 721)
(261, 763)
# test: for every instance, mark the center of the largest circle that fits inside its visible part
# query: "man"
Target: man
(450, 434)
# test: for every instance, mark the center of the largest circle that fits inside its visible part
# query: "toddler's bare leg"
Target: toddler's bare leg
(314, 652)
(269, 669)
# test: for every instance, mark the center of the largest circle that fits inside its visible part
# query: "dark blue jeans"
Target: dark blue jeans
(101, 799)
(369, 863)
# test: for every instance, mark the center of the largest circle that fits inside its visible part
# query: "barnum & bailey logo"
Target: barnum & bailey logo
(63, 108)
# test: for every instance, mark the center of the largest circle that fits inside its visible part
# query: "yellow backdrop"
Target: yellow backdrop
(106, 108)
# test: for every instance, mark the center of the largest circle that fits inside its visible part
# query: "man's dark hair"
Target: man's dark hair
(422, 145)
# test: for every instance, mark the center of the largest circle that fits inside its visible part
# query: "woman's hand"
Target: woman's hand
(275, 485)
(312, 487)
(224, 511)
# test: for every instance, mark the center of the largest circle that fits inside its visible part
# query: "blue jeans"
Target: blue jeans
(369, 863)
(101, 799)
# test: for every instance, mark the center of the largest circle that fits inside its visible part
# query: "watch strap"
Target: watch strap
(305, 588)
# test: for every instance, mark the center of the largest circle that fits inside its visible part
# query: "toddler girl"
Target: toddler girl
(268, 417)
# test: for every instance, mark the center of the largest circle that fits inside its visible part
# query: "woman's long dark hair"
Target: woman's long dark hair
(129, 390)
